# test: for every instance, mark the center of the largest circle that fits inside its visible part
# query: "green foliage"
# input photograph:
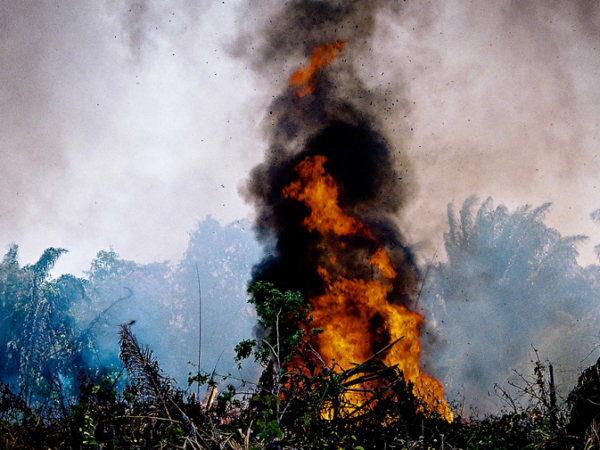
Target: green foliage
(268, 425)
(515, 431)
(40, 348)
(283, 317)
(50, 328)
(14, 282)
(243, 350)
(47, 261)
(202, 379)
(108, 265)
(102, 417)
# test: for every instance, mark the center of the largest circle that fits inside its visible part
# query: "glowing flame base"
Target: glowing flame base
(357, 317)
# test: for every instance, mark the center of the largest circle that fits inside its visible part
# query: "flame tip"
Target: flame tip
(303, 80)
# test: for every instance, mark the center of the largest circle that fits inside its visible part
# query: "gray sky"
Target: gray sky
(120, 127)
(123, 123)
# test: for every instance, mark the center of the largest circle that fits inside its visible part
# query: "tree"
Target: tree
(509, 282)
(224, 256)
(40, 349)
(13, 287)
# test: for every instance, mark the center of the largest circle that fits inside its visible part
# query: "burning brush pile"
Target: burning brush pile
(327, 199)
(326, 209)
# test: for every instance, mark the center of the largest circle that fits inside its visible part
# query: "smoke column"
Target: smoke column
(336, 122)
(328, 192)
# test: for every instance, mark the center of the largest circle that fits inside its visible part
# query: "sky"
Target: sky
(124, 123)
(122, 126)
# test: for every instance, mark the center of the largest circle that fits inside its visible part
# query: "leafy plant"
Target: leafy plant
(283, 317)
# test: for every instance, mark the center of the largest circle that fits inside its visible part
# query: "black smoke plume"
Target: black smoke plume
(369, 189)
(338, 121)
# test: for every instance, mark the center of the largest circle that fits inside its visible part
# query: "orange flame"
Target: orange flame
(381, 259)
(318, 190)
(355, 313)
(303, 80)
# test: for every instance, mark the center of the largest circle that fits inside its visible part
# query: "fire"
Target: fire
(357, 317)
(303, 80)
(318, 190)
(381, 259)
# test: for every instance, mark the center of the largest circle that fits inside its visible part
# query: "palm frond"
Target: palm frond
(153, 387)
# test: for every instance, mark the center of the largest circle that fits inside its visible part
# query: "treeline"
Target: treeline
(54, 329)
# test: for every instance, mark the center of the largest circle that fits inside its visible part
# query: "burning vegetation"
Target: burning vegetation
(355, 314)
(328, 208)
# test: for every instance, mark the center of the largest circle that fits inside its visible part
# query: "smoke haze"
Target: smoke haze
(114, 118)
(510, 294)
(504, 105)
(124, 123)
